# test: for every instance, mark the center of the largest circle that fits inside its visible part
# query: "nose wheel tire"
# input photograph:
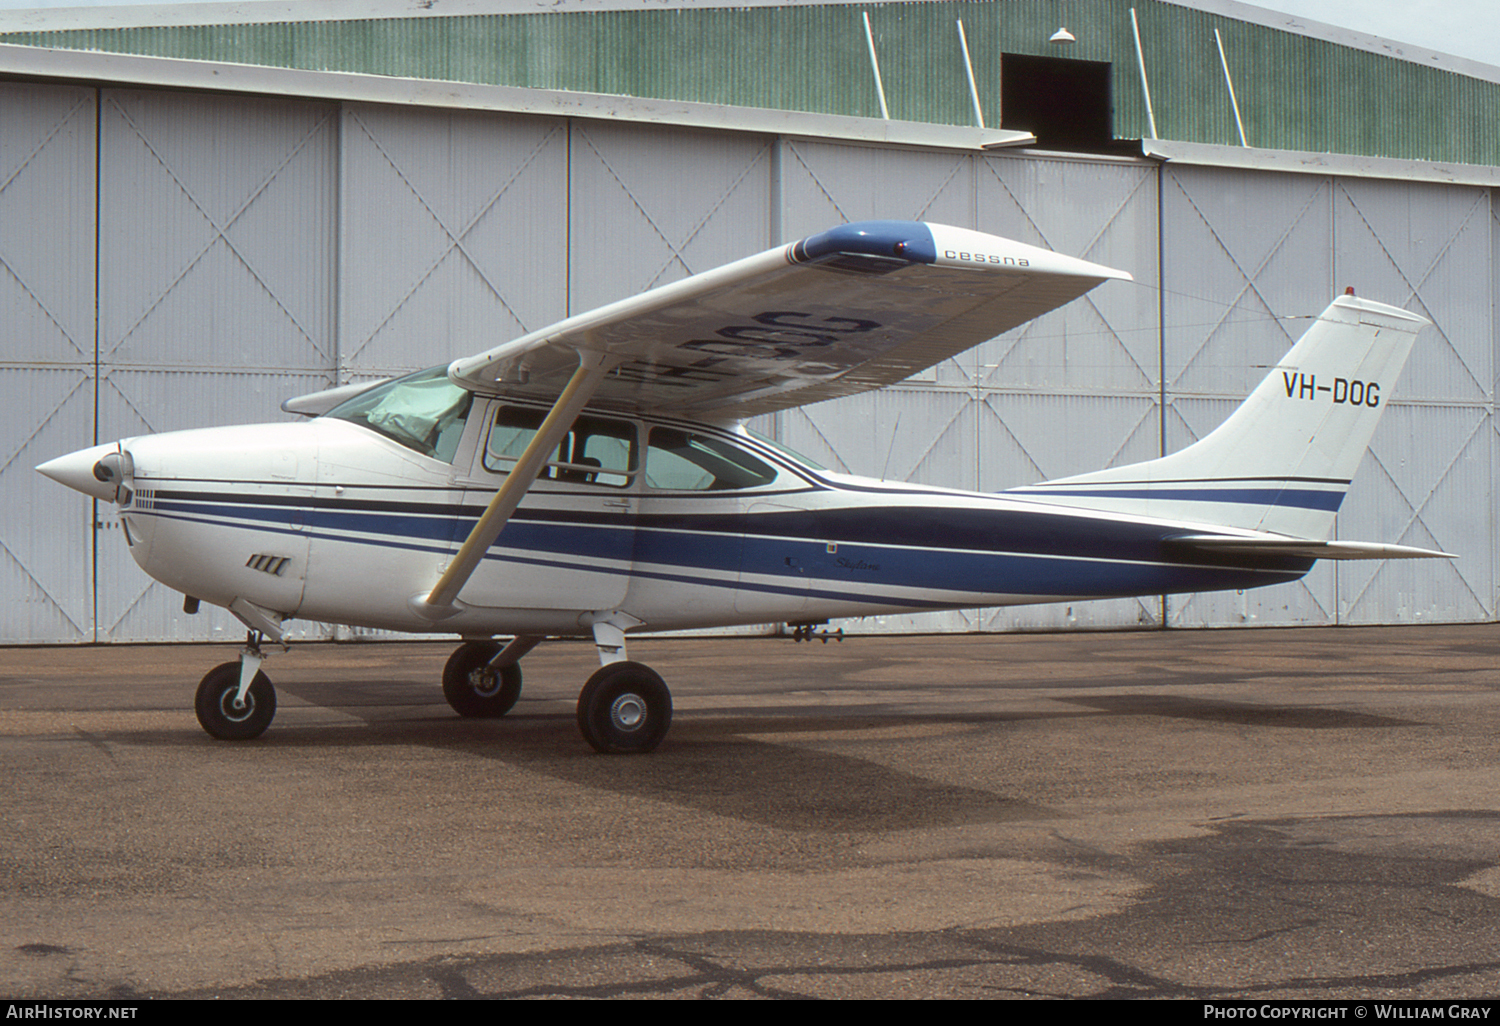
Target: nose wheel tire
(624, 708)
(476, 690)
(218, 713)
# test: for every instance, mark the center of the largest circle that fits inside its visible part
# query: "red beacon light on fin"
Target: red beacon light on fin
(1349, 290)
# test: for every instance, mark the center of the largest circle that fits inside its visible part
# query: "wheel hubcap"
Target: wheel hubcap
(236, 713)
(485, 682)
(628, 712)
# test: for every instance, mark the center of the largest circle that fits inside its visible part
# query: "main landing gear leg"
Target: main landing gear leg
(483, 678)
(235, 701)
(625, 708)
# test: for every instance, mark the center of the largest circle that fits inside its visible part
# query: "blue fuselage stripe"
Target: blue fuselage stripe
(1301, 498)
(879, 555)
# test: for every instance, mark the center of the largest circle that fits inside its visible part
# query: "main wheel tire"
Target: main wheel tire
(215, 704)
(473, 688)
(625, 708)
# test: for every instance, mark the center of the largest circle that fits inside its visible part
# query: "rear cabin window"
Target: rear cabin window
(596, 451)
(683, 461)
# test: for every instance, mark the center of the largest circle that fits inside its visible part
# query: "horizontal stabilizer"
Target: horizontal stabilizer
(1305, 548)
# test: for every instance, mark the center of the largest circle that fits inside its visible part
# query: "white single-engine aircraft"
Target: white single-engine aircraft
(590, 479)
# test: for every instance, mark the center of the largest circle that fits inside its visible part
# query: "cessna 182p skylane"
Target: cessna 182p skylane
(589, 479)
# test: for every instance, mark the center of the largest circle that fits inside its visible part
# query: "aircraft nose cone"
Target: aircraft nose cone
(87, 471)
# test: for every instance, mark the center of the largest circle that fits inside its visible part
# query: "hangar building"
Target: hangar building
(205, 209)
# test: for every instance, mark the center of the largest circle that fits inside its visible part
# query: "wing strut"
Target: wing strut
(441, 602)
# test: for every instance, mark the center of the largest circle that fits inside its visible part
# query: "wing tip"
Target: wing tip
(907, 242)
(879, 246)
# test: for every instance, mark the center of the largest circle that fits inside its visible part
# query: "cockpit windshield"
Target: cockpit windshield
(422, 411)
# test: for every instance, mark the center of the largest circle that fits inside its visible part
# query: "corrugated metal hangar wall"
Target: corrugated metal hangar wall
(171, 259)
(1305, 89)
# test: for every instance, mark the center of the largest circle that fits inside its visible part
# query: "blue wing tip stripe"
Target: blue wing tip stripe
(907, 241)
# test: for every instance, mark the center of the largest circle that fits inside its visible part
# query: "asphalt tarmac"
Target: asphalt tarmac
(1189, 814)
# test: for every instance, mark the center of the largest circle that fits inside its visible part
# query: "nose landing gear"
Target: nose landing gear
(235, 701)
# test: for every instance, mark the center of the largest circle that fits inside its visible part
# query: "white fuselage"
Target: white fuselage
(331, 521)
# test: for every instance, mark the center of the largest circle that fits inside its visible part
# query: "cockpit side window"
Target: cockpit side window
(596, 451)
(422, 411)
(686, 461)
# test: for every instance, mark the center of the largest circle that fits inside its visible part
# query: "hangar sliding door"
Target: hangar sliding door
(47, 160)
(452, 234)
(1076, 389)
(1427, 478)
(651, 204)
(1245, 262)
(216, 280)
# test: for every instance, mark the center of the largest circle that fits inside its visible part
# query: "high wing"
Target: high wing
(856, 308)
(859, 307)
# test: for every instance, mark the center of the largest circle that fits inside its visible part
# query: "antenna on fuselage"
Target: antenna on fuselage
(890, 449)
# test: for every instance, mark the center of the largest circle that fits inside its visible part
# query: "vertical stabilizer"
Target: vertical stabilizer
(1282, 462)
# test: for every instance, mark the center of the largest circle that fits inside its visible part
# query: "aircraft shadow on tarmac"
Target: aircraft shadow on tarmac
(1239, 713)
(728, 761)
(716, 763)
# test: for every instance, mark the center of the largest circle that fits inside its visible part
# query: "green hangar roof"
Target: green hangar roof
(1297, 86)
